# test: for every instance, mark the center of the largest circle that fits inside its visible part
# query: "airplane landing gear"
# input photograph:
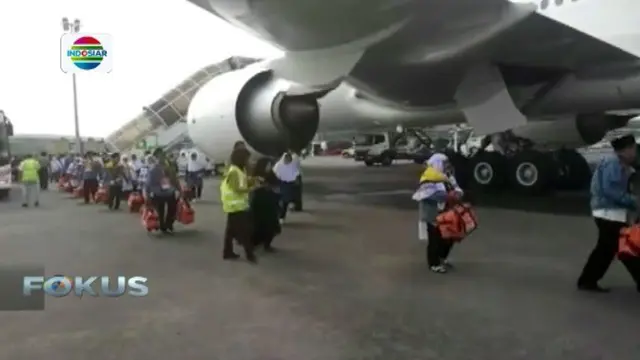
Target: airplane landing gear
(531, 172)
(522, 168)
(488, 170)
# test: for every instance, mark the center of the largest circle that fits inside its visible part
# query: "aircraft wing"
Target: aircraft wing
(539, 41)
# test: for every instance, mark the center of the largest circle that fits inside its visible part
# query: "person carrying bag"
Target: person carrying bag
(436, 190)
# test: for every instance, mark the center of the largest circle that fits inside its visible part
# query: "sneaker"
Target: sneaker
(36, 204)
(230, 256)
(446, 263)
(281, 221)
(25, 205)
(252, 258)
(595, 288)
(270, 249)
(440, 269)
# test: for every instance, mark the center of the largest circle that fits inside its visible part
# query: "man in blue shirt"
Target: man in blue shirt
(611, 203)
(163, 189)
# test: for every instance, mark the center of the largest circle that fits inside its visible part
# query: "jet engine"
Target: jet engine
(251, 105)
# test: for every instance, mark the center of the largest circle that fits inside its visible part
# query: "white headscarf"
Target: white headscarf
(437, 161)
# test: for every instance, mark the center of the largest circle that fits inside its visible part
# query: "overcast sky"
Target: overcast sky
(158, 43)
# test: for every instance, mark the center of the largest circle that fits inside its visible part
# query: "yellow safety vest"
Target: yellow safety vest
(30, 169)
(231, 201)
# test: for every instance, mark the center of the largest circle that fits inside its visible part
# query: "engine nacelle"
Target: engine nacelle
(572, 131)
(251, 105)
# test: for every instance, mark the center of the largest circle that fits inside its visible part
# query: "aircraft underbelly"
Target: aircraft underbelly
(304, 25)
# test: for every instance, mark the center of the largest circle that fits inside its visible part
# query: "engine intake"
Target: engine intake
(251, 105)
(272, 122)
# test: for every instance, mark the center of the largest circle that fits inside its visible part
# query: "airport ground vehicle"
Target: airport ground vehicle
(6, 131)
(348, 153)
(384, 147)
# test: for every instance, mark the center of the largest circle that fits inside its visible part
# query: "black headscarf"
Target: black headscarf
(623, 142)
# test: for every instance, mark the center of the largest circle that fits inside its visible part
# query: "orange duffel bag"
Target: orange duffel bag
(78, 192)
(186, 214)
(135, 202)
(629, 242)
(61, 183)
(186, 191)
(102, 195)
(457, 222)
(149, 217)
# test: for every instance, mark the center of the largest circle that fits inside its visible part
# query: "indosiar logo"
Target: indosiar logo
(86, 52)
(103, 286)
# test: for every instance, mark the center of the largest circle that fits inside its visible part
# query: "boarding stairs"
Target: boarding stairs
(167, 116)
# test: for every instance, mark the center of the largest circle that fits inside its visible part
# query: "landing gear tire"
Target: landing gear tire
(368, 163)
(532, 172)
(488, 170)
(4, 194)
(574, 171)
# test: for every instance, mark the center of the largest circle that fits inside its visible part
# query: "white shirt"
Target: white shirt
(137, 164)
(194, 166)
(287, 172)
(56, 165)
(617, 215)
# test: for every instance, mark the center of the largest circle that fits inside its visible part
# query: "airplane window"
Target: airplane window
(544, 4)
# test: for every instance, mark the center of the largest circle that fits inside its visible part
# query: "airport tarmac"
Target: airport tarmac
(349, 282)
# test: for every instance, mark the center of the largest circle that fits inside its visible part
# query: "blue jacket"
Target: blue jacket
(609, 186)
(154, 179)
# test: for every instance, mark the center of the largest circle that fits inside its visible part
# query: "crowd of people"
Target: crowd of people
(154, 175)
(256, 196)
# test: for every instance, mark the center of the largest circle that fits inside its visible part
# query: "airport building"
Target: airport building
(54, 144)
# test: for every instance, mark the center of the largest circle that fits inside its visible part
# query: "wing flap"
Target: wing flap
(539, 41)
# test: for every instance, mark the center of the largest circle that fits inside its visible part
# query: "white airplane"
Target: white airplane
(552, 71)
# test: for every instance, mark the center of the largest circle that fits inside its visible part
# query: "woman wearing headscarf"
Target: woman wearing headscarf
(437, 188)
(287, 171)
(265, 205)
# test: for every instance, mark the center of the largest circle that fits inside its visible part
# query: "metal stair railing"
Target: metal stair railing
(172, 107)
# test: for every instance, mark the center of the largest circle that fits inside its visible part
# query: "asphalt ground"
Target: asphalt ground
(349, 282)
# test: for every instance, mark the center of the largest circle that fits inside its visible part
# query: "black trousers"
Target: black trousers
(603, 254)
(196, 191)
(166, 206)
(115, 195)
(287, 197)
(438, 248)
(43, 175)
(297, 200)
(239, 227)
(263, 238)
(89, 189)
